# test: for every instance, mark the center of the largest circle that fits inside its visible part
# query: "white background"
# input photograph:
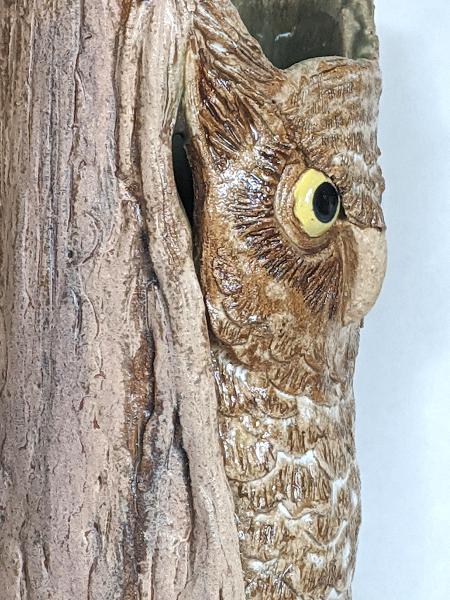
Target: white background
(402, 382)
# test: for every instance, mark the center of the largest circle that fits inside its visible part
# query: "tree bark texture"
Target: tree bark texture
(112, 482)
(112, 478)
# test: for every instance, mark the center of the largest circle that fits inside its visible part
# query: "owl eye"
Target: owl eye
(316, 202)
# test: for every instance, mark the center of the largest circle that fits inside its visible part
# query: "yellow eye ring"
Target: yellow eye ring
(316, 202)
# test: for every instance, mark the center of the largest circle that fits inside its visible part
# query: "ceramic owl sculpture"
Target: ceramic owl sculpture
(291, 257)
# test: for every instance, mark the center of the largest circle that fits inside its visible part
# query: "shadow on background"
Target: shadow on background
(402, 382)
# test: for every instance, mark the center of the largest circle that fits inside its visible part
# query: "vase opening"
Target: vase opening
(290, 31)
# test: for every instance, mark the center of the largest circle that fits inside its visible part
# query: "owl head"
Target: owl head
(291, 231)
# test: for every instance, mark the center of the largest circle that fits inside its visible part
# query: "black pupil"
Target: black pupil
(325, 202)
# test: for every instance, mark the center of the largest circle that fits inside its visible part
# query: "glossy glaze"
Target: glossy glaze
(285, 307)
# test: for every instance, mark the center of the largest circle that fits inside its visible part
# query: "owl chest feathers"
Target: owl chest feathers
(291, 466)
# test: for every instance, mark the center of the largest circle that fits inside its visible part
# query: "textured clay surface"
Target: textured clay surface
(284, 308)
(112, 479)
(112, 483)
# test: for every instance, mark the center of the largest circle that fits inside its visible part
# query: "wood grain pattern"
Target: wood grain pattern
(112, 484)
(71, 288)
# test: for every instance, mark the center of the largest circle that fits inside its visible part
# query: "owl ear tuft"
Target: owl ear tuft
(218, 27)
(229, 84)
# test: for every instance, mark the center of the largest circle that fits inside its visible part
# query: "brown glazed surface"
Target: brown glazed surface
(285, 309)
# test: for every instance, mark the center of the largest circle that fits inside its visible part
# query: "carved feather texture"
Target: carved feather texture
(276, 299)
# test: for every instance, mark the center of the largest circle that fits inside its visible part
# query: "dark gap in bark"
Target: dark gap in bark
(183, 175)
